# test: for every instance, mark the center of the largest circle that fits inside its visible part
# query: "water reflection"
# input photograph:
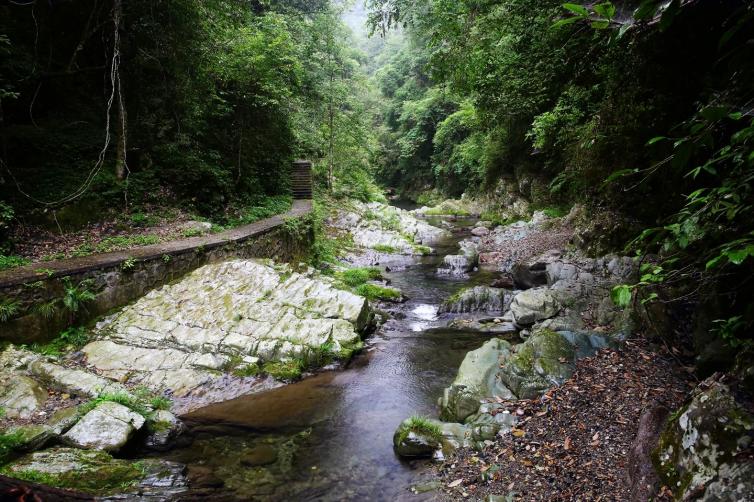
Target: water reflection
(329, 437)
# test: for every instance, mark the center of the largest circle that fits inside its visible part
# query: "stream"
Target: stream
(329, 437)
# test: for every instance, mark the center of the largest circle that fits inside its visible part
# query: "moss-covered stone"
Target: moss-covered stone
(89, 471)
(702, 438)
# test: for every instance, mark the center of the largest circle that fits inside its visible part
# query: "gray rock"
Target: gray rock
(534, 305)
(63, 419)
(74, 381)
(89, 471)
(480, 231)
(410, 441)
(20, 396)
(698, 448)
(196, 227)
(533, 272)
(182, 337)
(458, 265)
(163, 428)
(477, 299)
(32, 437)
(107, 427)
(544, 360)
(497, 327)
(477, 378)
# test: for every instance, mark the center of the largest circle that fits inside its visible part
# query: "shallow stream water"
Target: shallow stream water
(329, 437)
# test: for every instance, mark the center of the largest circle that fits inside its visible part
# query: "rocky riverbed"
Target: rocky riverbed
(507, 334)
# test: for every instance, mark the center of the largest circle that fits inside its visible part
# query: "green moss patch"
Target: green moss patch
(374, 292)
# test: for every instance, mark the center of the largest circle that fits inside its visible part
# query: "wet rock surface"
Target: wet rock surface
(180, 337)
(107, 427)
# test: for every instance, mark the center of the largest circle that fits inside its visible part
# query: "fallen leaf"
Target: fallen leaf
(518, 433)
(567, 443)
(455, 483)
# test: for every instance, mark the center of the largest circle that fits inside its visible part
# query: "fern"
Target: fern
(8, 310)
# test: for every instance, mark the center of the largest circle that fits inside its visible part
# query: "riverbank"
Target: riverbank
(579, 440)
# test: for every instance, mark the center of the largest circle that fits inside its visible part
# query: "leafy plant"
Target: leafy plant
(354, 277)
(8, 309)
(419, 425)
(128, 265)
(8, 262)
(76, 297)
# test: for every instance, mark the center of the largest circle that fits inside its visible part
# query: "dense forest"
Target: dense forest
(641, 110)
(114, 105)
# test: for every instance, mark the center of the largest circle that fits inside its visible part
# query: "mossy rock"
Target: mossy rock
(88, 471)
(703, 438)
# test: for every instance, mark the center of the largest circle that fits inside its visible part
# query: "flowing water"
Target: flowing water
(329, 437)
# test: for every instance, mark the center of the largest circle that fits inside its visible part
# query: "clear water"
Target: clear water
(333, 431)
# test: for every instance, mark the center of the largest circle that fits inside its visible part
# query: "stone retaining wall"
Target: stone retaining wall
(118, 278)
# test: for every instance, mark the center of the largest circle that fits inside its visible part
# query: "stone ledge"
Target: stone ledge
(71, 266)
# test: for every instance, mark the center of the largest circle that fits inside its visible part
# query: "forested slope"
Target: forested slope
(640, 110)
(112, 106)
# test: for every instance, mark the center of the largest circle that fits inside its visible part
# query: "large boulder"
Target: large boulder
(534, 305)
(20, 396)
(186, 335)
(533, 272)
(699, 447)
(477, 378)
(107, 427)
(382, 227)
(543, 361)
(477, 299)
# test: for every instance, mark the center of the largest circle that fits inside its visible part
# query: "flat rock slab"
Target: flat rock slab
(107, 427)
(185, 335)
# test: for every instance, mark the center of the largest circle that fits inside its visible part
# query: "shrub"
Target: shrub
(7, 262)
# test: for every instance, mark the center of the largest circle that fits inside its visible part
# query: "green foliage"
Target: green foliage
(375, 292)
(357, 276)
(128, 265)
(419, 425)
(8, 309)
(284, 370)
(70, 340)
(383, 248)
(76, 297)
(8, 262)
(9, 442)
(160, 403)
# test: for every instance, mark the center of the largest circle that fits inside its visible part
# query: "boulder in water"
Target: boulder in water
(477, 299)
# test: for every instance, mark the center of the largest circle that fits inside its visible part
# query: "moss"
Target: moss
(423, 250)
(419, 425)
(103, 480)
(248, 370)
(374, 292)
(8, 444)
(284, 370)
(355, 277)
(382, 248)
(347, 353)
(446, 211)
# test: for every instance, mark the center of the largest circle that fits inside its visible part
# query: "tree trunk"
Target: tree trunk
(122, 118)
